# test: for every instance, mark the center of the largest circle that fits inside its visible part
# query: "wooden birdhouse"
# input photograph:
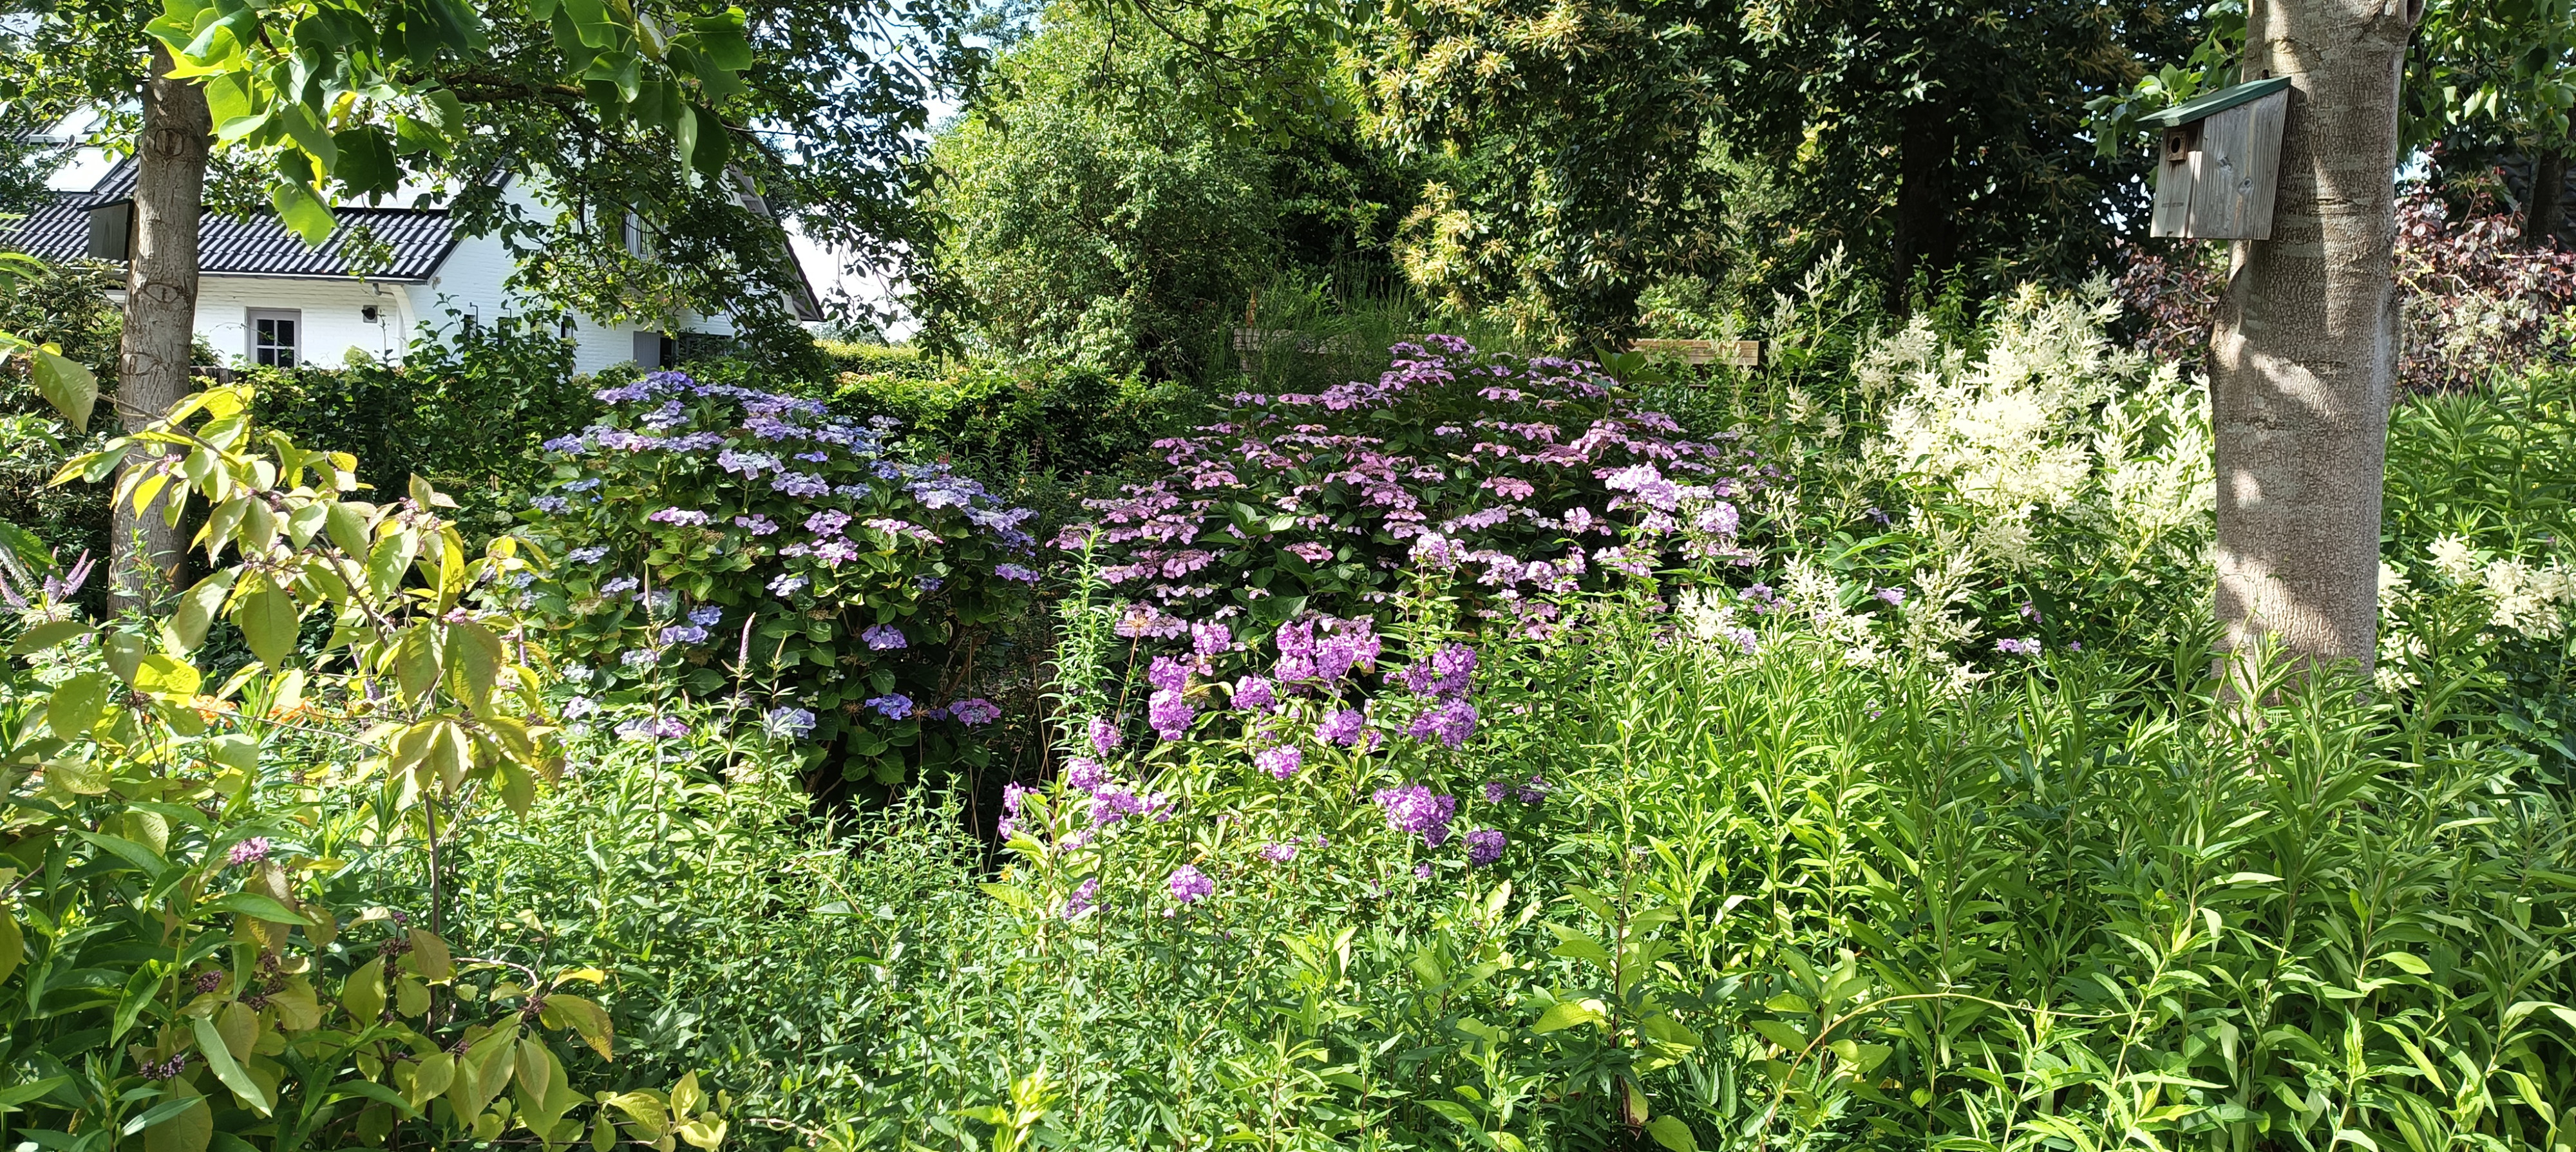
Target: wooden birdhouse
(2220, 162)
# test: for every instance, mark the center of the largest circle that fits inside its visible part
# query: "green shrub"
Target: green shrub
(1000, 422)
(179, 961)
(465, 410)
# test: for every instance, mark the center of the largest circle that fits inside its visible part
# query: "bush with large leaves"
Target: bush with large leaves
(172, 965)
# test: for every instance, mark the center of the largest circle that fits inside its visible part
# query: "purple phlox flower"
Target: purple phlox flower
(975, 713)
(1495, 790)
(250, 851)
(1104, 735)
(2030, 612)
(1415, 808)
(1281, 761)
(1167, 674)
(1446, 674)
(1082, 899)
(1534, 792)
(1342, 727)
(788, 723)
(1112, 803)
(1484, 846)
(1892, 595)
(1718, 519)
(1254, 693)
(1279, 853)
(881, 637)
(1647, 483)
(787, 585)
(1189, 885)
(1084, 774)
(679, 517)
(1169, 713)
(892, 705)
(1452, 722)
(2012, 647)
(1422, 871)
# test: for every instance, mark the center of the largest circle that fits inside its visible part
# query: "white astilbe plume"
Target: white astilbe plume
(2002, 433)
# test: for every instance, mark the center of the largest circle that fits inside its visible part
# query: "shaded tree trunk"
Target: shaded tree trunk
(2544, 210)
(2305, 348)
(1926, 239)
(160, 302)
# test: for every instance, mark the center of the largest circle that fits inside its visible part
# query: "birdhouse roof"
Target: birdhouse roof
(2204, 107)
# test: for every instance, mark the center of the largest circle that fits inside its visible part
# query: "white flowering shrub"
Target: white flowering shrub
(1972, 500)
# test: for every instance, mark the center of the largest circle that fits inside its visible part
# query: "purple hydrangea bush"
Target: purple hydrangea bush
(1521, 479)
(707, 532)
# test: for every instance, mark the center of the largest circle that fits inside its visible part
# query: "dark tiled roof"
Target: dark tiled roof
(416, 240)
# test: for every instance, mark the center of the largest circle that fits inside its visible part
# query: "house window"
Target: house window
(276, 337)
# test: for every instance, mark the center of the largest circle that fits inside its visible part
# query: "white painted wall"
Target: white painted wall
(330, 310)
(472, 280)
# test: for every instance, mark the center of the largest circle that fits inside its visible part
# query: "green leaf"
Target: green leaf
(77, 704)
(367, 161)
(1669, 1131)
(13, 948)
(309, 134)
(48, 634)
(162, 674)
(255, 906)
(346, 525)
(70, 388)
(211, 1044)
(197, 607)
(584, 1017)
(268, 620)
(721, 38)
(477, 656)
(364, 994)
(301, 210)
(140, 990)
(1565, 1014)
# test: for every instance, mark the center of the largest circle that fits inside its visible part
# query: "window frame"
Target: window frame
(294, 345)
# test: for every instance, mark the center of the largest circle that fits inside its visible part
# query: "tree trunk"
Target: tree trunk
(2544, 210)
(160, 304)
(2305, 348)
(1926, 240)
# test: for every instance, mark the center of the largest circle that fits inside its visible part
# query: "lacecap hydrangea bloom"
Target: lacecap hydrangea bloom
(853, 574)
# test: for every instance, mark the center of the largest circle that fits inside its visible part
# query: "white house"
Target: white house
(268, 298)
